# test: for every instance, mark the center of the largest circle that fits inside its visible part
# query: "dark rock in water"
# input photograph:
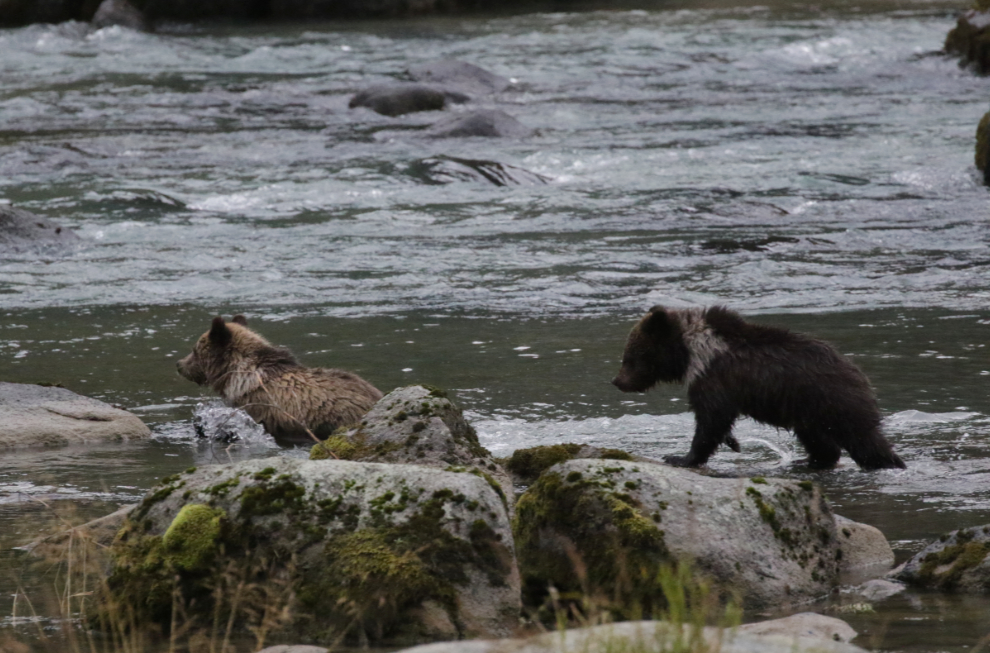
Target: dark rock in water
(488, 123)
(957, 561)
(461, 75)
(970, 39)
(983, 147)
(120, 12)
(447, 169)
(22, 231)
(400, 99)
(303, 9)
(730, 245)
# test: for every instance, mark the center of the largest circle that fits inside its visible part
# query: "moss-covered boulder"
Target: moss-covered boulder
(958, 561)
(606, 527)
(970, 39)
(360, 551)
(417, 425)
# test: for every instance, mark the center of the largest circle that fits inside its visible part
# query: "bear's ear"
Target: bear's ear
(219, 333)
(239, 319)
(657, 322)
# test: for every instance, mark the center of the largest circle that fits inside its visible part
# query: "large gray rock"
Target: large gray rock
(807, 625)
(418, 425)
(364, 551)
(957, 561)
(459, 75)
(38, 416)
(402, 98)
(771, 541)
(120, 12)
(486, 123)
(23, 231)
(645, 636)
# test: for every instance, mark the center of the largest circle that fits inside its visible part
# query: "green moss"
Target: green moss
(758, 480)
(528, 464)
(371, 577)
(614, 454)
(767, 512)
(265, 474)
(620, 548)
(807, 486)
(335, 447)
(190, 542)
(221, 489)
(435, 391)
(272, 498)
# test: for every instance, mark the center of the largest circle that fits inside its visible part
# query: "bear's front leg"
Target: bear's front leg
(711, 429)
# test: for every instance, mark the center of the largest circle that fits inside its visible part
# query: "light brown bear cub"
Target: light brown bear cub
(289, 400)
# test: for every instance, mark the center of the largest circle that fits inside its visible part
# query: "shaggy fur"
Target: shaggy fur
(289, 400)
(733, 367)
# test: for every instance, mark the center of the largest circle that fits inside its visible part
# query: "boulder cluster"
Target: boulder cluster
(404, 530)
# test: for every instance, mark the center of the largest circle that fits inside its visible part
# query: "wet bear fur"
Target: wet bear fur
(733, 367)
(291, 401)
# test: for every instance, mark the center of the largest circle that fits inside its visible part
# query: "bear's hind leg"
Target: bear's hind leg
(873, 452)
(823, 453)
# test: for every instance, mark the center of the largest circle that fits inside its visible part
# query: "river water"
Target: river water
(809, 166)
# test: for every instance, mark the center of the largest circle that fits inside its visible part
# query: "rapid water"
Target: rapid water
(809, 166)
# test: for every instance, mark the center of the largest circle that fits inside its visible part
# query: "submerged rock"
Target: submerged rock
(646, 636)
(362, 551)
(770, 541)
(956, 562)
(100, 532)
(460, 75)
(23, 231)
(38, 416)
(120, 12)
(487, 123)
(447, 169)
(400, 99)
(417, 425)
(970, 39)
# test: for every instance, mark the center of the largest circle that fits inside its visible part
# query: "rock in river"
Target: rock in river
(487, 123)
(771, 541)
(958, 561)
(400, 99)
(365, 551)
(418, 425)
(970, 39)
(635, 636)
(460, 75)
(23, 231)
(120, 12)
(38, 416)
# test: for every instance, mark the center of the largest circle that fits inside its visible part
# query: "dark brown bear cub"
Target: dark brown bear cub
(733, 367)
(289, 400)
